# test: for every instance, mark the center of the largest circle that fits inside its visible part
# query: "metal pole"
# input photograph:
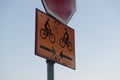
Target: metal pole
(50, 70)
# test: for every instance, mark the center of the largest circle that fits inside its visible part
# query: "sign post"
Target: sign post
(50, 70)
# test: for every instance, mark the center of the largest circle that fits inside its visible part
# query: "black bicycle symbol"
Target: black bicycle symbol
(46, 32)
(65, 41)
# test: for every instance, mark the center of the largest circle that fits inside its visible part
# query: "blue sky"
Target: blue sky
(97, 41)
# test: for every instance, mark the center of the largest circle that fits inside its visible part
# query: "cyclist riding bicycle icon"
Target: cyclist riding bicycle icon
(64, 41)
(46, 32)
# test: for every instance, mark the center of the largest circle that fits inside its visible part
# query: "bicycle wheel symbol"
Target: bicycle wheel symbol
(64, 43)
(44, 34)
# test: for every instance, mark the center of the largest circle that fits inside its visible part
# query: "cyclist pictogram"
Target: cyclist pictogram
(46, 32)
(64, 41)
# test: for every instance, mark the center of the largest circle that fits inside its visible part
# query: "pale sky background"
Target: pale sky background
(97, 41)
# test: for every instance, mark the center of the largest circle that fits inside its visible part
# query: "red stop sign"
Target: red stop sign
(60, 9)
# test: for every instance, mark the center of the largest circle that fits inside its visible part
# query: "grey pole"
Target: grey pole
(50, 70)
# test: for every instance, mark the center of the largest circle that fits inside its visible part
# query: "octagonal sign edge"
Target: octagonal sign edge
(62, 10)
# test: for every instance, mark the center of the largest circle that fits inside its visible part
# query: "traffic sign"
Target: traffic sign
(60, 9)
(54, 40)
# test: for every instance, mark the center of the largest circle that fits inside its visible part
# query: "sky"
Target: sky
(97, 41)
